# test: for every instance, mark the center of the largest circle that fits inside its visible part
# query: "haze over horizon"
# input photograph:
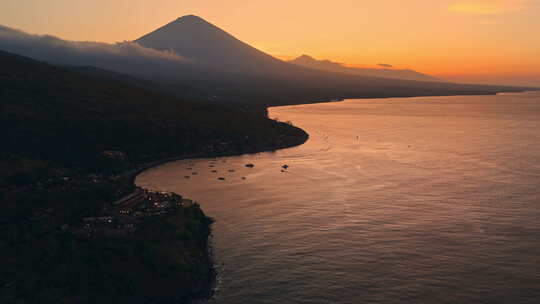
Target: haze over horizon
(459, 40)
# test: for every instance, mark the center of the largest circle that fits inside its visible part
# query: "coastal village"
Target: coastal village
(124, 215)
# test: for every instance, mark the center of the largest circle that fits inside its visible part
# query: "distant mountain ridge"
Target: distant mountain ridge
(193, 59)
(327, 65)
(206, 45)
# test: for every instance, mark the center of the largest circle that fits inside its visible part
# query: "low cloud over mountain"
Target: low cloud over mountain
(191, 57)
(123, 56)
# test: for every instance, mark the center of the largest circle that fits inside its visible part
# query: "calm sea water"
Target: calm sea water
(416, 200)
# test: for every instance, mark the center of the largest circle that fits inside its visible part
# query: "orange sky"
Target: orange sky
(459, 39)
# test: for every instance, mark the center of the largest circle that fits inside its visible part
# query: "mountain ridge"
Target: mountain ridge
(216, 66)
(330, 66)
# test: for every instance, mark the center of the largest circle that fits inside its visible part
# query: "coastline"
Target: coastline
(265, 251)
(71, 219)
(102, 187)
(390, 96)
(207, 284)
(132, 174)
(207, 287)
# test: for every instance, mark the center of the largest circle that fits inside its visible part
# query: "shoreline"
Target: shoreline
(387, 96)
(207, 286)
(132, 174)
(71, 201)
(241, 263)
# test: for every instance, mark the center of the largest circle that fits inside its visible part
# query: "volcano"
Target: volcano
(206, 44)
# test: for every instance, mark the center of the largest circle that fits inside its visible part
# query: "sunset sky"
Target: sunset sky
(492, 41)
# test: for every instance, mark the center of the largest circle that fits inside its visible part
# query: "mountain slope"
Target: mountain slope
(327, 65)
(39, 100)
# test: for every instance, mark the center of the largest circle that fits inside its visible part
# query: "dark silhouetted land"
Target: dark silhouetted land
(76, 125)
(69, 142)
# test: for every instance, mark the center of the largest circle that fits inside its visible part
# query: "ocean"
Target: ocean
(402, 200)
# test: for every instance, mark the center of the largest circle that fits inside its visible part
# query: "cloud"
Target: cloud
(385, 65)
(490, 7)
(126, 57)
